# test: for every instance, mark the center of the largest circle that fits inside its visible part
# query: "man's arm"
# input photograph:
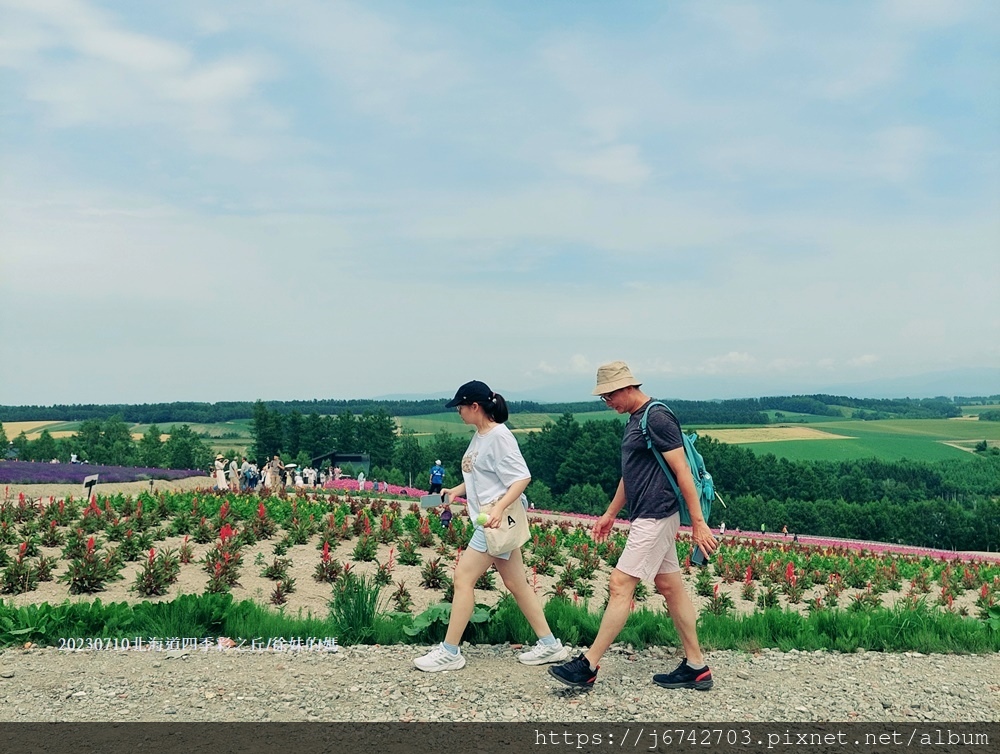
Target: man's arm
(603, 525)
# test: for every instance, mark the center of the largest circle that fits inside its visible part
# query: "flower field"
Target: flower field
(306, 553)
(32, 472)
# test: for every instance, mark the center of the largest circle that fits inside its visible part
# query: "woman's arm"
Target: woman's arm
(457, 491)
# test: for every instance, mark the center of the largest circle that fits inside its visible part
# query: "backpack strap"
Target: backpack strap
(656, 454)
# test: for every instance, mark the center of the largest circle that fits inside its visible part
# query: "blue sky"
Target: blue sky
(298, 199)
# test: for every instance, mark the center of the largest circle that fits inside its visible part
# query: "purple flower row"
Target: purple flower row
(31, 472)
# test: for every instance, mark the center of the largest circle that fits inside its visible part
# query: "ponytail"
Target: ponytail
(496, 408)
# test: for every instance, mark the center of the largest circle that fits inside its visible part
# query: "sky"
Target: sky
(232, 200)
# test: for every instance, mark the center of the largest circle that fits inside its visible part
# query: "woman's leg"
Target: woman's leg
(471, 566)
(514, 578)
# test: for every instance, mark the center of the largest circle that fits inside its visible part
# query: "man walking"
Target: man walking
(651, 551)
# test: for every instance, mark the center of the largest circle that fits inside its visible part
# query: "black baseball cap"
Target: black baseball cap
(469, 393)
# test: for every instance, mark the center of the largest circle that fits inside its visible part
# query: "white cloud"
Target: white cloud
(618, 164)
(734, 361)
(863, 361)
(85, 68)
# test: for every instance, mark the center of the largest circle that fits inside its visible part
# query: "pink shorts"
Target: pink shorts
(651, 547)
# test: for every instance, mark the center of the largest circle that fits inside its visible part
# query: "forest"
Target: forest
(739, 411)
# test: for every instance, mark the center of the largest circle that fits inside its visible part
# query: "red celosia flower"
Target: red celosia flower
(90, 545)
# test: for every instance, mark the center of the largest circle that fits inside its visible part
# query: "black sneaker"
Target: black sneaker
(576, 672)
(685, 678)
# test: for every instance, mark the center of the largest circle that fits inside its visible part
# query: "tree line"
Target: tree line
(737, 411)
(110, 443)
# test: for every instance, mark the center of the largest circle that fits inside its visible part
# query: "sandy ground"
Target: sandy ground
(769, 434)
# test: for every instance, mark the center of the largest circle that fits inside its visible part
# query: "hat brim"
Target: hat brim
(609, 387)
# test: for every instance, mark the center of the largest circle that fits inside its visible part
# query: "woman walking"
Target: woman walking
(493, 471)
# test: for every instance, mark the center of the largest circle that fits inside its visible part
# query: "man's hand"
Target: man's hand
(602, 527)
(702, 536)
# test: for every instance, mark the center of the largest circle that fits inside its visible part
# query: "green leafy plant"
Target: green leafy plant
(277, 570)
(89, 572)
(408, 554)
(433, 575)
(19, 576)
(365, 548)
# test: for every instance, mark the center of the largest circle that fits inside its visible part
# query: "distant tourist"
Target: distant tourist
(234, 475)
(437, 477)
(220, 473)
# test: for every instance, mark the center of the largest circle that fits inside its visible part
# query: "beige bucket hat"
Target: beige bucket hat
(614, 376)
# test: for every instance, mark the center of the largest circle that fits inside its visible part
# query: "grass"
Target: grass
(356, 618)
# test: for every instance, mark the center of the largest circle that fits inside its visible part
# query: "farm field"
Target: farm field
(890, 440)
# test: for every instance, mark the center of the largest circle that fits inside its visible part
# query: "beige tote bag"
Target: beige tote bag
(512, 532)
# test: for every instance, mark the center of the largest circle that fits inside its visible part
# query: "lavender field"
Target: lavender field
(31, 472)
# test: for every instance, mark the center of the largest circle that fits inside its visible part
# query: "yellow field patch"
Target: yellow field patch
(31, 429)
(769, 434)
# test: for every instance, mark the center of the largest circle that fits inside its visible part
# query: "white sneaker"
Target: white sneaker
(440, 658)
(541, 654)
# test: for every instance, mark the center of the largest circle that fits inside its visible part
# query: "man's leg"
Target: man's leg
(622, 588)
(682, 613)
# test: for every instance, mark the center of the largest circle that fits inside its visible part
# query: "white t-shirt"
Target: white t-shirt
(492, 463)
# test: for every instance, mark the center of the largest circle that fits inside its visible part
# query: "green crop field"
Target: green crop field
(891, 440)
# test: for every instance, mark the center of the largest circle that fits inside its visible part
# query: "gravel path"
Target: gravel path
(381, 684)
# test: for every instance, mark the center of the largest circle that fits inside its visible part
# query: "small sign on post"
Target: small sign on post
(89, 482)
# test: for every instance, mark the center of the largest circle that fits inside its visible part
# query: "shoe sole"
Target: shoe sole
(696, 685)
(442, 668)
(573, 684)
(557, 657)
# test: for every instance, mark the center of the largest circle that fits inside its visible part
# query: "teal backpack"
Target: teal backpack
(703, 482)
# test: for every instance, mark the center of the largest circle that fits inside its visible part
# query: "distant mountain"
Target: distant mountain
(967, 382)
(976, 381)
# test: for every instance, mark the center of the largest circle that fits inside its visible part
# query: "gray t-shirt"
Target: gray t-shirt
(648, 493)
